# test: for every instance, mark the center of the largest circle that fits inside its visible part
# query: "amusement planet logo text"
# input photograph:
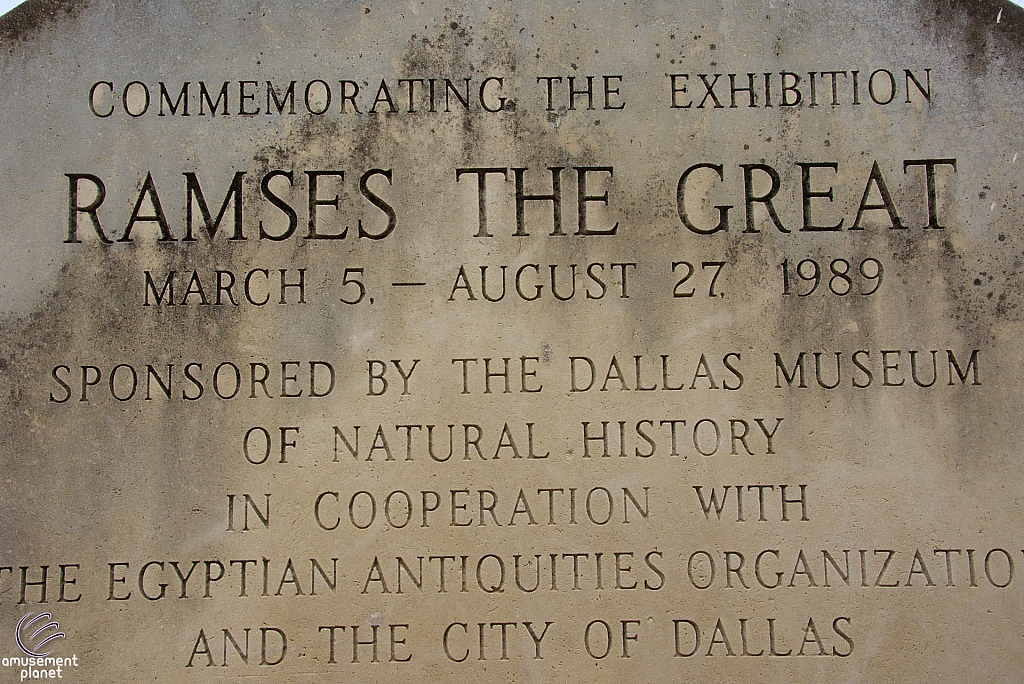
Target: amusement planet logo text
(37, 636)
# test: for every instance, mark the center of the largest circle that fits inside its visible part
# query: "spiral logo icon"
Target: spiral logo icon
(32, 638)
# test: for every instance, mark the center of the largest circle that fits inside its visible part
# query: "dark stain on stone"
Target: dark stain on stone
(972, 28)
(25, 20)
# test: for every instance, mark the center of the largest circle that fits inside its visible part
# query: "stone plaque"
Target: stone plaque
(511, 341)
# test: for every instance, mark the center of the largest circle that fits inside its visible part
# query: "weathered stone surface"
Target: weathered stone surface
(295, 349)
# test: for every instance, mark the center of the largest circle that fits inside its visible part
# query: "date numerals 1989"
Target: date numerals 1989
(841, 278)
